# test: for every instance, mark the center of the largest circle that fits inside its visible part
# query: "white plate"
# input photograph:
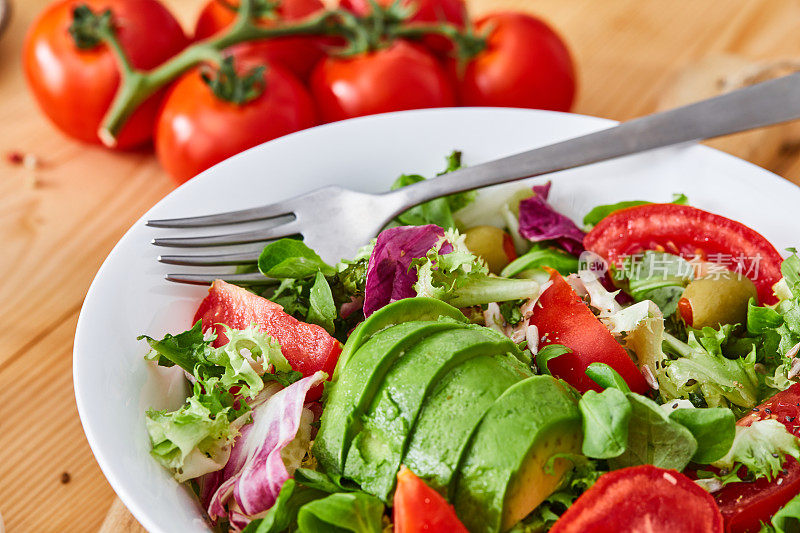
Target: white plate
(114, 386)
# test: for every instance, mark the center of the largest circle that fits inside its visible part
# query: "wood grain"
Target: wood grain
(58, 221)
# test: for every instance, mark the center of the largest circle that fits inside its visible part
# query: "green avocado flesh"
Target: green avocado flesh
(501, 477)
(353, 392)
(399, 312)
(451, 413)
(378, 445)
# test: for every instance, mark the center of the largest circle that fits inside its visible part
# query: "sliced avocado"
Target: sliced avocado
(452, 411)
(502, 476)
(406, 310)
(379, 444)
(352, 394)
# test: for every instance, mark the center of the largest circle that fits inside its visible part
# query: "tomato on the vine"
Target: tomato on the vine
(525, 64)
(452, 11)
(75, 86)
(197, 128)
(297, 53)
(399, 77)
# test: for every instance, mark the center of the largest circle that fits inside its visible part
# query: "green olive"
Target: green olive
(492, 244)
(716, 300)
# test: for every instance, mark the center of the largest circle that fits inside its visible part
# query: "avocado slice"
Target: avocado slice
(352, 394)
(378, 445)
(406, 310)
(502, 476)
(452, 411)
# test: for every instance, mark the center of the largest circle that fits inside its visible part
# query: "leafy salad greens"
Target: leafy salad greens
(658, 356)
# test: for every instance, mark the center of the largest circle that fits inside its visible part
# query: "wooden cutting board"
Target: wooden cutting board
(62, 211)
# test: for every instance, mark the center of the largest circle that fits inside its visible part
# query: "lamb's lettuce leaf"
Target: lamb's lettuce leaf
(291, 258)
(540, 256)
(606, 416)
(602, 211)
(440, 210)
(322, 309)
(357, 512)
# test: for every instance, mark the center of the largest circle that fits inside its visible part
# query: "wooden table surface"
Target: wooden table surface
(59, 220)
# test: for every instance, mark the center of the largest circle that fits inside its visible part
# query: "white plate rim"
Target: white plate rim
(105, 461)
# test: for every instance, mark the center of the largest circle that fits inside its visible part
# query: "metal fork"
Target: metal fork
(336, 221)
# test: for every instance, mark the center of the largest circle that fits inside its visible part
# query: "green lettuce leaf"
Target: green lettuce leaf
(701, 367)
(551, 351)
(461, 279)
(241, 362)
(290, 258)
(602, 211)
(653, 438)
(440, 210)
(322, 309)
(344, 511)
(606, 417)
(541, 255)
(714, 429)
(762, 448)
(187, 350)
(196, 438)
(656, 276)
(786, 520)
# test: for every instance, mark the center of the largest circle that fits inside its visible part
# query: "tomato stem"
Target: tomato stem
(137, 85)
(228, 85)
(361, 33)
(467, 43)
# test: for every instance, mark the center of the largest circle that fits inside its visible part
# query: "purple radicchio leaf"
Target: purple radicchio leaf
(538, 221)
(256, 471)
(389, 276)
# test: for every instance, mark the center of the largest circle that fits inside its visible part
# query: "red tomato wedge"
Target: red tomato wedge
(745, 505)
(642, 499)
(563, 318)
(418, 508)
(689, 232)
(307, 347)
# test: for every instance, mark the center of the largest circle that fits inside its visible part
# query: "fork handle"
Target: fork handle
(759, 105)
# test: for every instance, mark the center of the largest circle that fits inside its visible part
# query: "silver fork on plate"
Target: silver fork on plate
(336, 221)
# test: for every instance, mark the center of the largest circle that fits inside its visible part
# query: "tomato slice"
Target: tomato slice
(418, 508)
(642, 498)
(563, 318)
(745, 505)
(307, 347)
(689, 232)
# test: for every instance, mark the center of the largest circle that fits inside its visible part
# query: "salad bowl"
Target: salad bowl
(129, 296)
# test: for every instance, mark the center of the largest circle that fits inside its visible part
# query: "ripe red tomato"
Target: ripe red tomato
(307, 347)
(745, 505)
(419, 509)
(399, 77)
(525, 64)
(196, 129)
(642, 498)
(688, 231)
(452, 11)
(562, 318)
(299, 53)
(75, 87)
